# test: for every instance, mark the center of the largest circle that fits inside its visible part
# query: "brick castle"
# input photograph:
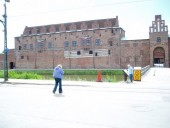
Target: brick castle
(95, 44)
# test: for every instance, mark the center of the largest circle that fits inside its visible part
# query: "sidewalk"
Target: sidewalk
(143, 104)
(52, 82)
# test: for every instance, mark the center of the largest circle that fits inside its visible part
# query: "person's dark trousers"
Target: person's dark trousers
(125, 77)
(58, 81)
(131, 77)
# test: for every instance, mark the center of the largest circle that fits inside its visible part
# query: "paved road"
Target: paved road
(144, 104)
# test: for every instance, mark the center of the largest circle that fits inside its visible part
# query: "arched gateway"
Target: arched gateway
(159, 55)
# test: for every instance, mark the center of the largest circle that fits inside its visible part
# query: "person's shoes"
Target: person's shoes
(53, 92)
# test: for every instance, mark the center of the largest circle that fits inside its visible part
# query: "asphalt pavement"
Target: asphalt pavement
(141, 104)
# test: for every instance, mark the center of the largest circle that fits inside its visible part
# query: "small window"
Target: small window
(158, 39)
(57, 29)
(31, 46)
(22, 57)
(83, 42)
(47, 30)
(110, 43)
(19, 47)
(90, 52)
(88, 42)
(66, 44)
(27, 57)
(96, 54)
(78, 52)
(38, 31)
(98, 42)
(109, 52)
(40, 45)
(29, 32)
(74, 44)
(49, 45)
(25, 46)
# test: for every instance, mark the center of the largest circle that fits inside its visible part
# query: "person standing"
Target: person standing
(130, 72)
(58, 75)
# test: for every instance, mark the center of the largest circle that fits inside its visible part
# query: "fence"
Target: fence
(145, 69)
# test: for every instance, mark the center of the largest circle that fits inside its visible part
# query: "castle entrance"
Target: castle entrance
(11, 65)
(159, 56)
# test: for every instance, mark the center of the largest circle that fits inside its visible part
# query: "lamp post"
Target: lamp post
(5, 42)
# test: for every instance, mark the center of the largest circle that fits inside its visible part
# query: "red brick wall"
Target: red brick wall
(11, 59)
(122, 52)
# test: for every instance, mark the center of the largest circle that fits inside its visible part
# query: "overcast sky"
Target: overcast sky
(135, 16)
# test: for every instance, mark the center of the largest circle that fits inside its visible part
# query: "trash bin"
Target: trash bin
(137, 74)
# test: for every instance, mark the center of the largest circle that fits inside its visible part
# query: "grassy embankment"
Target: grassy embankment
(47, 74)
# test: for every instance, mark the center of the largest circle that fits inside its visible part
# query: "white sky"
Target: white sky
(135, 16)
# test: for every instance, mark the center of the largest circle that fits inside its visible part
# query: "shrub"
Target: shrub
(23, 75)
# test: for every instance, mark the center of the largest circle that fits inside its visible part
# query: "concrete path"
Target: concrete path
(31, 104)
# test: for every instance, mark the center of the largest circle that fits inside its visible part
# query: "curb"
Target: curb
(64, 83)
(24, 83)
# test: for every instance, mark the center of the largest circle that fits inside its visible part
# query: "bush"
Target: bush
(1, 74)
(23, 75)
(47, 74)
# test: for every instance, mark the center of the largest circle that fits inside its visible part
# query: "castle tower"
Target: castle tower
(158, 34)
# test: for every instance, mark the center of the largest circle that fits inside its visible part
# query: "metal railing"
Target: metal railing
(145, 69)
